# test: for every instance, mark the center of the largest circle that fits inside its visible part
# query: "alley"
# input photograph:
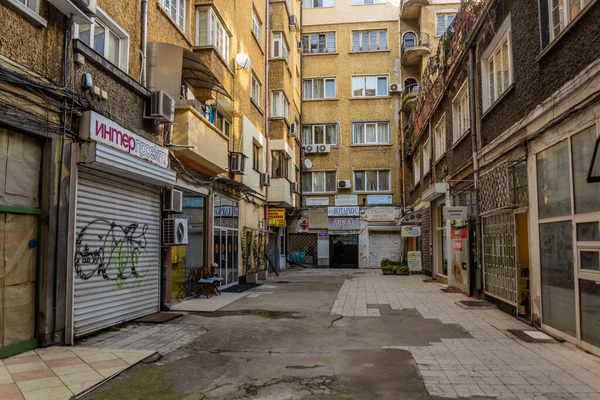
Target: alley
(350, 334)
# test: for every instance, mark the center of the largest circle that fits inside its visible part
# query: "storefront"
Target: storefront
(226, 236)
(117, 225)
(343, 230)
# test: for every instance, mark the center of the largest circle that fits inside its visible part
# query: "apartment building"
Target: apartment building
(350, 169)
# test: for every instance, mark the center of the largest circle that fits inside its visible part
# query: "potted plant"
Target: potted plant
(403, 270)
(387, 267)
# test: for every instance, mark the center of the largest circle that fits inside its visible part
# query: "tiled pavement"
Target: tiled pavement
(493, 362)
(60, 372)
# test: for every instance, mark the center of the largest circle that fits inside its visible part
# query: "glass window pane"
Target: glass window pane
(330, 185)
(589, 292)
(589, 260)
(373, 40)
(358, 136)
(383, 40)
(357, 86)
(382, 87)
(355, 41)
(306, 135)
(331, 42)
(372, 181)
(359, 181)
(364, 41)
(319, 134)
(84, 34)
(554, 196)
(441, 25)
(308, 89)
(318, 181)
(99, 38)
(314, 43)
(331, 134)
(558, 287)
(113, 48)
(588, 232)
(587, 195)
(383, 132)
(384, 180)
(329, 88)
(322, 43)
(370, 85)
(306, 182)
(318, 88)
(371, 133)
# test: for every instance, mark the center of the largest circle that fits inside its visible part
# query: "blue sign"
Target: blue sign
(323, 234)
(379, 199)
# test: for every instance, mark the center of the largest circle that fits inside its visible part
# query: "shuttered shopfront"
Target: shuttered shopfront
(384, 245)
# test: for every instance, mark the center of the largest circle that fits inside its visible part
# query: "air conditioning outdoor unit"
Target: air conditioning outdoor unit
(300, 45)
(295, 187)
(310, 149)
(293, 129)
(344, 184)
(395, 88)
(265, 179)
(293, 21)
(173, 200)
(81, 11)
(324, 148)
(162, 107)
(237, 163)
(175, 231)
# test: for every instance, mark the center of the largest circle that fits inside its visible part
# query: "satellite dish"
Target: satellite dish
(307, 164)
(243, 60)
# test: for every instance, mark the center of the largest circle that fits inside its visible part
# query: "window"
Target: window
(439, 134)
(560, 14)
(369, 40)
(106, 38)
(361, 2)
(176, 9)
(460, 113)
(210, 31)
(319, 88)
(409, 40)
(256, 89)
(426, 158)
(280, 47)
(417, 168)
(223, 123)
(319, 134)
(369, 86)
(370, 133)
(279, 164)
(255, 157)
(318, 182)
(443, 22)
(372, 181)
(497, 75)
(280, 104)
(317, 3)
(318, 42)
(256, 26)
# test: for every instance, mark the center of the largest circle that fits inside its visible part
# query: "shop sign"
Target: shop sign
(411, 231)
(458, 274)
(346, 199)
(343, 211)
(102, 130)
(414, 260)
(380, 215)
(226, 211)
(277, 216)
(317, 201)
(322, 234)
(454, 213)
(379, 199)
(343, 224)
(303, 225)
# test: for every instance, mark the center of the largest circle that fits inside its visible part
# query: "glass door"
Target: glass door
(223, 263)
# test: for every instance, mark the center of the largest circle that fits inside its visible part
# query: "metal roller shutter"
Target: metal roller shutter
(384, 245)
(117, 253)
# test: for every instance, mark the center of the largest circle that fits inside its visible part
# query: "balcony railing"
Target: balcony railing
(409, 96)
(411, 9)
(414, 47)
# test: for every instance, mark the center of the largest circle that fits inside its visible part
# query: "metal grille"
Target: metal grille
(425, 240)
(495, 188)
(303, 248)
(500, 269)
(520, 192)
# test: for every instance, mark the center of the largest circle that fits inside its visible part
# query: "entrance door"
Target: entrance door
(344, 251)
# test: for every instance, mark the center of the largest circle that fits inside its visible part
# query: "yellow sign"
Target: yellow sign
(277, 216)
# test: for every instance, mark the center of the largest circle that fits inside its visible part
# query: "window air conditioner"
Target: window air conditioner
(173, 200)
(265, 179)
(162, 107)
(324, 148)
(175, 231)
(395, 88)
(81, 11)
(310, 149)
(295, 187)
(237, 162)
(293, 131)
(293, 21)
(344, 184)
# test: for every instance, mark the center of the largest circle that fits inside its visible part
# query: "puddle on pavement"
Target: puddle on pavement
(256, 313)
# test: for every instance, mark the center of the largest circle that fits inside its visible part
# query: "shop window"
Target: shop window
(553, 181)
(588, 232)
(589, 304)
(587, 195)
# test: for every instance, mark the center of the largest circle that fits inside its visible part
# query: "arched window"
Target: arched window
(411, 85)
(409, 40)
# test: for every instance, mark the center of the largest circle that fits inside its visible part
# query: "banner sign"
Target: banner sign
(344, 224)
(346, 199)
(277, 216)
(317, 201)
(411, 231)
(414, 260)
(380, 215)
(379, 199)
(343, 211)
(455, 213)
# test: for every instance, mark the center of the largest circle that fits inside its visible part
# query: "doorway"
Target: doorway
(344, 251)
(523, 271)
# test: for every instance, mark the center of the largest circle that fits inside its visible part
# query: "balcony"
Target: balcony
(209, 154)
(409, 97)
(411, 9)
(280, 193)
(415, 48)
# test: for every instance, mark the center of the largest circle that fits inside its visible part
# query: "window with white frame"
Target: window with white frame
(443, 21)
(33, 5)
(176, 9)
(317, 3)
(461, 119)
(319, 181)
(320, 134)
(210, 31)
(279, 164)
(256, 88)
(561, 13)
(280, 48)
(426, 157)
(439, 137)
(106, 38)
(256, 26)
(281, 105)
(496, 65)
(369, 40)
(372, 181)
(417, 168)
(369, 86)
(319, 88)
(365, 2)
(371, 133)
(318, 42)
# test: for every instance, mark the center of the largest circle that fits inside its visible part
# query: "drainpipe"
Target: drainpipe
(267, 152)
(472, 109)
(144, 41)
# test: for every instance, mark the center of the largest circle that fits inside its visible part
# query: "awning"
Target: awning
(235, 185)
(198, 76)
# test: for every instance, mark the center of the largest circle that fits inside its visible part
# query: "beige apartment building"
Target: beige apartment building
(351, 162)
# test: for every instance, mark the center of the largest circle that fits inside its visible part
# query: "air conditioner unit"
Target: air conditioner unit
(172, 200)
(265, 179)
(162, 107)
(395, 88)
(310, 149)
(293, 129)
(293, 21)
(300, 45)
(237, 163)
(80, 11)
(344, 184)
(295, 187)
(324, 148)
(175, 231)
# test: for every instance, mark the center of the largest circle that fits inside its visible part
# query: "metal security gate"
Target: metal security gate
(384, 245)
(116, 273)
(500, 273)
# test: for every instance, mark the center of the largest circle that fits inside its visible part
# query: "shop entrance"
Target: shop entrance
(523, 275)
(344, 251)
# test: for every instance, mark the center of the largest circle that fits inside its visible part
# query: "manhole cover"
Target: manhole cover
(476, 304)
